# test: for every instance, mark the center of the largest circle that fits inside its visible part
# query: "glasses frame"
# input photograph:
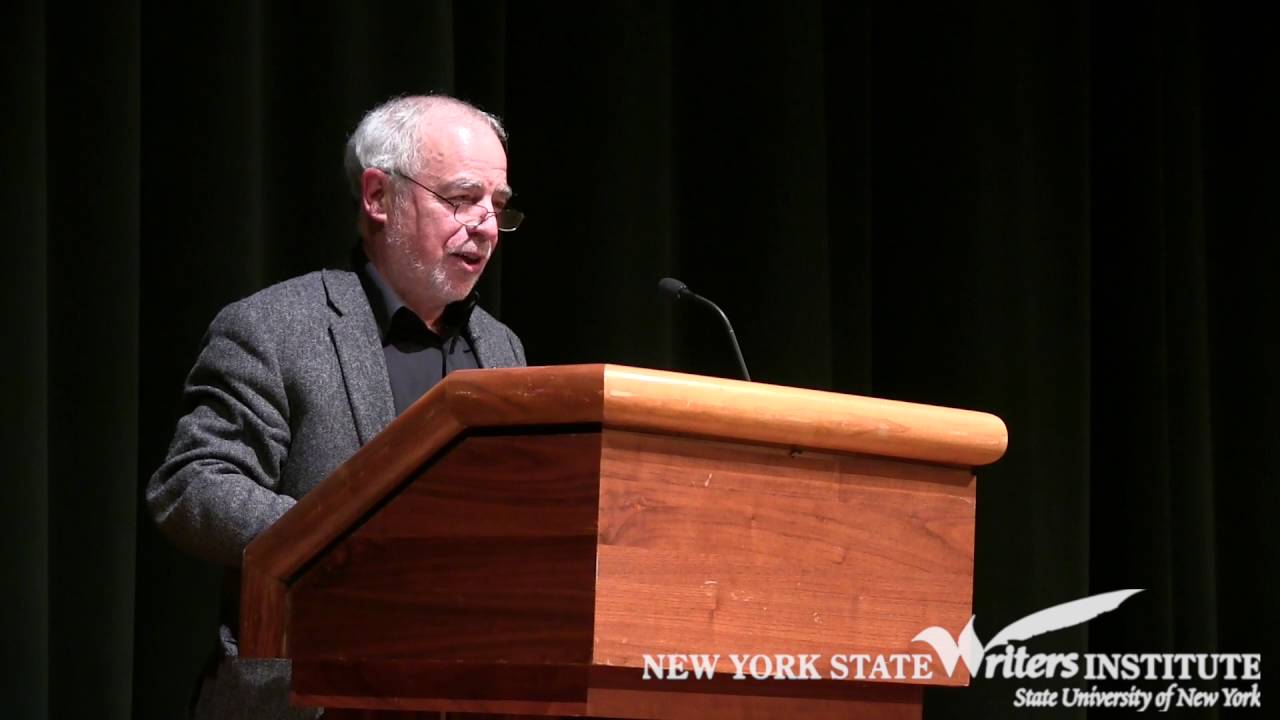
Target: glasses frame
(514, 217)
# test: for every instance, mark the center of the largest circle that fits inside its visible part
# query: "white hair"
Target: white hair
(388, 137)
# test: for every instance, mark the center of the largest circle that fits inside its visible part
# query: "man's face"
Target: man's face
(435, 254)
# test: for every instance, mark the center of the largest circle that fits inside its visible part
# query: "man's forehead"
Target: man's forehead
(458, 131)
(460, 149)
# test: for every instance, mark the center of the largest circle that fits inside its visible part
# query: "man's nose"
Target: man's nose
(489, 225)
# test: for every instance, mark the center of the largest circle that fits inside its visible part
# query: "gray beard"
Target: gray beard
(433, 278)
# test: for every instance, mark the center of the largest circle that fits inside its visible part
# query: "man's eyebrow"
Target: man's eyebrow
(463, 185)
(469, 185)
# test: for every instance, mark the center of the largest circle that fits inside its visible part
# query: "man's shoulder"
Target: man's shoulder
(295, 304)
(316, 294)
(316, 289)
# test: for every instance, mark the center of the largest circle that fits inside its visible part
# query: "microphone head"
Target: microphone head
(672, 287)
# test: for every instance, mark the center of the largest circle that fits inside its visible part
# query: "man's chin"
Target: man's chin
(452, 286)
(456, 291)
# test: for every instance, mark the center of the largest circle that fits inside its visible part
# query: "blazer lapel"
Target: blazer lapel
(488, 341)
(359, 351)
(479, 344)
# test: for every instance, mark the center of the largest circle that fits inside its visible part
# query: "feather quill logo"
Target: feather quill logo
(971, 650)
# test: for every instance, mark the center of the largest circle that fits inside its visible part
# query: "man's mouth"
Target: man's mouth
(472, 260)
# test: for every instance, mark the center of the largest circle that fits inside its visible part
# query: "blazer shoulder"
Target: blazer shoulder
(297, 300)
(289, 309)
(295, 292)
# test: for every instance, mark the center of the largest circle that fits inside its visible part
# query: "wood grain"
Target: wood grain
(262, 602)
(614, 397)
(675, 403)
(464, 400)
(359, 484)
(720, 548)
(409, 684)
(458, 710)
(904, 704)
(519, 539)
(516, 397)
(483, 563)
(616, 693)
(609, 699)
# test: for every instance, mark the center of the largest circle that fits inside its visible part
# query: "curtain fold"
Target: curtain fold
(24, 382)
(91, 160)
(1060, 214)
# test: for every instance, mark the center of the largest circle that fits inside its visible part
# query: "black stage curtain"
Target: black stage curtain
(1055, 212)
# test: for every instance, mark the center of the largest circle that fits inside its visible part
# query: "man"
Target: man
(292, 380)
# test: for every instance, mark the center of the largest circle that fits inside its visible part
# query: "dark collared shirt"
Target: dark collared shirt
(417, 358)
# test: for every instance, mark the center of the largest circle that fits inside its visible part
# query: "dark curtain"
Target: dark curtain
(1059, 213)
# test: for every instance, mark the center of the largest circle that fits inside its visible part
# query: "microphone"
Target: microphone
(680, 291)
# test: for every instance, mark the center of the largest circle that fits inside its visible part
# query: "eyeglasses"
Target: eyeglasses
(470, 214)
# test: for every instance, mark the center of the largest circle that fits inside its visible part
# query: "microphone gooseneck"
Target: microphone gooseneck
(679, 291)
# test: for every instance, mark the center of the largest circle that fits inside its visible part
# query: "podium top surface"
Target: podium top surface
(676, 403)
(626, 398)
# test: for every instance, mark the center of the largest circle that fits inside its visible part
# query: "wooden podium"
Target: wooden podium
(519, 540)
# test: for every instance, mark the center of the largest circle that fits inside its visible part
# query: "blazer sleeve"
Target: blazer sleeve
(217, 488)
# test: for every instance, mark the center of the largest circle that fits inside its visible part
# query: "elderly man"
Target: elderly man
(292, 380)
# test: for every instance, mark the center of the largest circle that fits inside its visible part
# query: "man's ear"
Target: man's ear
(375, 195)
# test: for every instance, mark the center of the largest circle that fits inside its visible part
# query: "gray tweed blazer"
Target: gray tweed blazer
(289, 383)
